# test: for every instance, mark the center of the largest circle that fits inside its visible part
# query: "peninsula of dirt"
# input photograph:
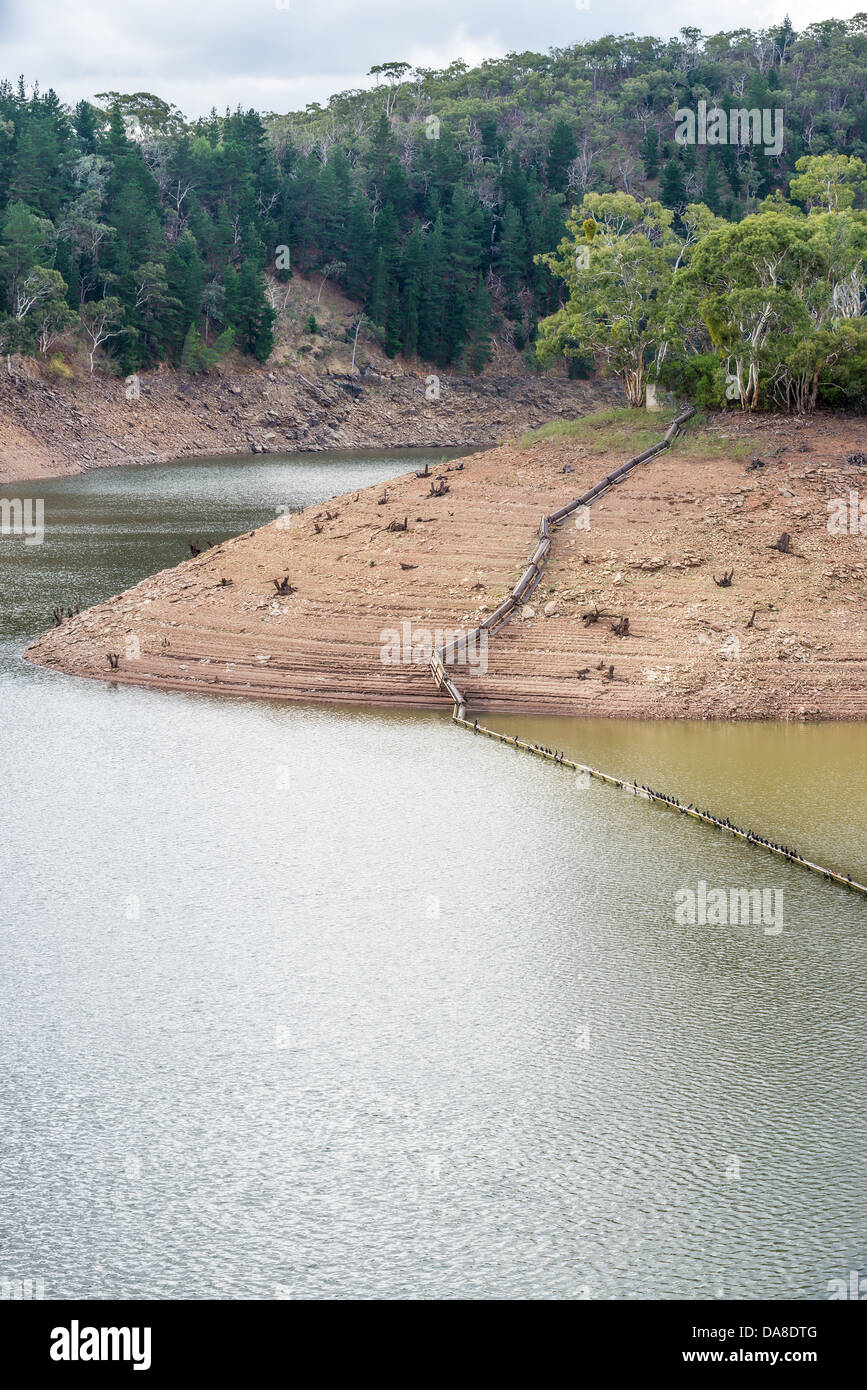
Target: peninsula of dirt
(741, 602)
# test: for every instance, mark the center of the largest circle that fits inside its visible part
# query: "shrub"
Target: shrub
(59, 369)
(198, 357)
(843, 382)
(580, 365)
(700, 379)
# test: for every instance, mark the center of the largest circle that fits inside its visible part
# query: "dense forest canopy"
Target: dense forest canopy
(438, 199)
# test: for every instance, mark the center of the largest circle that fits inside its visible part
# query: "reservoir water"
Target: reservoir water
(301, 1002)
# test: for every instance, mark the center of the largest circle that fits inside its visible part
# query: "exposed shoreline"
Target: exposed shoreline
(60, 429)
(216, 623)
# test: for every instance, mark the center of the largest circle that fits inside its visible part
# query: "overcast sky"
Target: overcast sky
(204, 53)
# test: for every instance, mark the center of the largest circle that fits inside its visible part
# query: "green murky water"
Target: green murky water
(305, 1002)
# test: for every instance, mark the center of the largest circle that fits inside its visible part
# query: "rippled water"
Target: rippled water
(302, 1002)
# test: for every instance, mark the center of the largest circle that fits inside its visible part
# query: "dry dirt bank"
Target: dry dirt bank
(786, 640)
(49, 429)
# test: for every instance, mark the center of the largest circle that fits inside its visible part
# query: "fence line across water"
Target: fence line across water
(442, 656)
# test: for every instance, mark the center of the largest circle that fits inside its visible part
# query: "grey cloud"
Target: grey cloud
(203, 53)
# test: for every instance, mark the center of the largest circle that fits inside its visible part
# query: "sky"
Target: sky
(279, 55)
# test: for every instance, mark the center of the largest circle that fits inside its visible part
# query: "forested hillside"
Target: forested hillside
(435, 199)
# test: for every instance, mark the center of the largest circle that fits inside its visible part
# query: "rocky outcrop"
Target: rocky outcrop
(49, 428)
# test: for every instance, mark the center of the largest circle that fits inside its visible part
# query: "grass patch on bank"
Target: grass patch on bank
(605, 429)
(621, 428)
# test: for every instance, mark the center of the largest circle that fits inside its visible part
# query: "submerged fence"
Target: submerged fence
(447, 653)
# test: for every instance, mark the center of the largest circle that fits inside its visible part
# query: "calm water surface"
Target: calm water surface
(304, 1003)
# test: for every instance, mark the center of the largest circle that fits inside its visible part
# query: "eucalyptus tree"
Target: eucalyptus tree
(748, 279)
(618, 262)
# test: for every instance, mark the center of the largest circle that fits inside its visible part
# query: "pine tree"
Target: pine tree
(252, 316)
(391, 342)
(377, 302)
(357, 247)
(323, 227)
(191, 353)
(479, 329)
(84, 119)
(38, 179)
(25, 241)
(492, 144)
(410, 291)
(512, 257)
(396, 190)
(115, 143)
(434, 290)
(381, 151)
(649, 151)
(384, 306)
(729, 161)
(512, 250)
(712, 184)
(672, 193)
(185, 277)
(560, 155)
(552, 229)
(463, 249)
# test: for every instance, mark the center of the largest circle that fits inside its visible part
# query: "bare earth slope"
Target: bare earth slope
(216, 623)
(55, 429)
